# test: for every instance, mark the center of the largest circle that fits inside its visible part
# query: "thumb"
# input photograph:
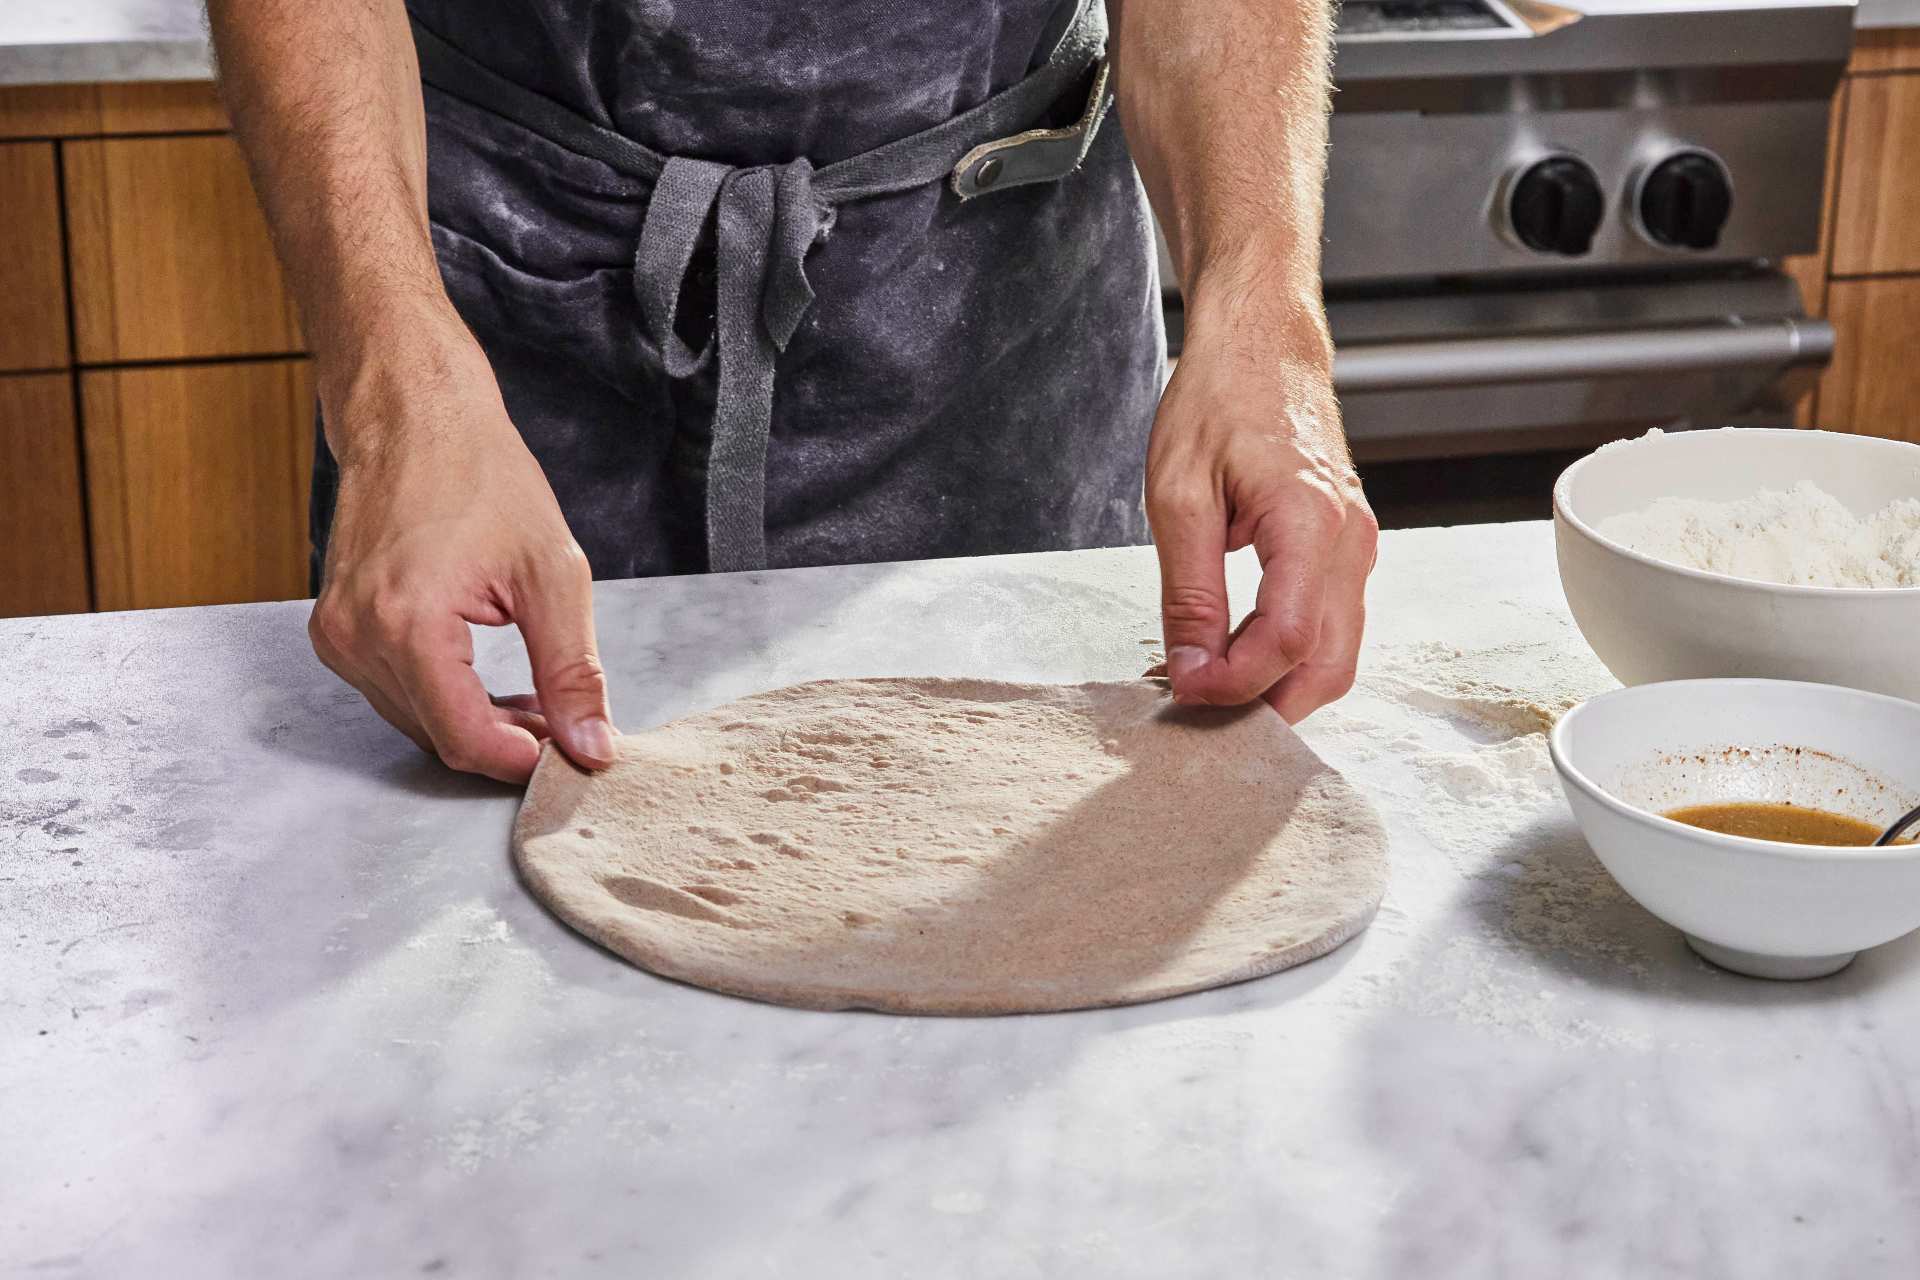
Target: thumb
(1191, 538)
(556, 618)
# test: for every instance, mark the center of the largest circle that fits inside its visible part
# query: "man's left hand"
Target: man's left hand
(1247, 449)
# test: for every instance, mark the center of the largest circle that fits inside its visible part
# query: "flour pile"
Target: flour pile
(1518, 688)
(1801, 536)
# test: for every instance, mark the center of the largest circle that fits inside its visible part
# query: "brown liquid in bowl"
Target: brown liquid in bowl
(1788, 823)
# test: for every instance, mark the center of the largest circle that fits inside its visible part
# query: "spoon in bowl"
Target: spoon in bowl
(1892, 833)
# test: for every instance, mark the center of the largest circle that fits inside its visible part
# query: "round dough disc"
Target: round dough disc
(957, 846)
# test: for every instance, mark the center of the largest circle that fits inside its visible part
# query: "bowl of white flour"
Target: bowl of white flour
(1747, 552)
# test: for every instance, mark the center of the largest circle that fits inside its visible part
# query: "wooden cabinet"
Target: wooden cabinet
(1877, 231)
(170, 253)
(92, 110)
(1894, 49)
(156, 416)
(33, 291)
(1873, 385)
(197, 482)
(43, 548)
(1866, 276)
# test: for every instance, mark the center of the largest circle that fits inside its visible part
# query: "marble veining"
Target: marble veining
(276, 1005)
(82, 41)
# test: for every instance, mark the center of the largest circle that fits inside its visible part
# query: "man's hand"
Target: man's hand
(1247, 450)
(444, 519)
(1225, 106)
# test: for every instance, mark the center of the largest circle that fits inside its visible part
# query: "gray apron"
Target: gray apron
(773, 284)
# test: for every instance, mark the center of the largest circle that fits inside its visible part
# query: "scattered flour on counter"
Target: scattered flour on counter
(1343, 737)
(1487, 984)
(472, 924)
(461, 973)
(1505, 690)
(1802, 536)
(477, 1139)
(1496, 788)
(1533, 898)
(1497, 813)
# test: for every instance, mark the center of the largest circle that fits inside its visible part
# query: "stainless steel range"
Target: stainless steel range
(1552, 223)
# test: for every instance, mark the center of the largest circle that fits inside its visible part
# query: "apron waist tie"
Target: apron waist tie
(769, 217)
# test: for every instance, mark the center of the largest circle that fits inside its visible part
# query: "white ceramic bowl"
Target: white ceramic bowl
(1755, 906)
(1650, 620)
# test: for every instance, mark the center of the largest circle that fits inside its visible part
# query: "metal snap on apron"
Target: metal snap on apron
(946, 343)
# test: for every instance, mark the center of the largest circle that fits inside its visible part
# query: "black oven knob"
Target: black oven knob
(1684, 201)
(1556, 206)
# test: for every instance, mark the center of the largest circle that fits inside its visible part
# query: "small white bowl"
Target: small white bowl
(1648, 619)
(1758, 907)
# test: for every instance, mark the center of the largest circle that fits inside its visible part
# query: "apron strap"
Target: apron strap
(1038, 155)
(676, 212)
(457, 75)
(769, 217)
(768, 221)
(1047, 155)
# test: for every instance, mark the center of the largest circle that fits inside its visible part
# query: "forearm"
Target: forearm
(1225, 106)
(326, 101)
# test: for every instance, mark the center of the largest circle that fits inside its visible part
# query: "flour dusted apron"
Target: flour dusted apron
(771, 284)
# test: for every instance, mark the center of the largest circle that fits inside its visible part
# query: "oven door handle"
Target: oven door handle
(1480, 362)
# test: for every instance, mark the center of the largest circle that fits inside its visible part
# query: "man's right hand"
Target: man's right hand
(444, 519)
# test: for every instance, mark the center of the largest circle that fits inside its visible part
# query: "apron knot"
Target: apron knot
(769, 216)
(800, 219)
(683, 196)
(767, 219)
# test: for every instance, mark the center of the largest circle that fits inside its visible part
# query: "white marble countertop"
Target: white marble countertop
(85, 41)
(275, 1003)
(1887, 13)
(60, 41)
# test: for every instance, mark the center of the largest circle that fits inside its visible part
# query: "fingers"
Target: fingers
(508, 711)
(418, 676)
(1283, 631)
(1328, 671)
(393, 713)
(523, 711)
(434, 667)
(327, 632)
(555, 615)
(1190, 536)
(1284, 627)
(1328, 674)
(517, 701)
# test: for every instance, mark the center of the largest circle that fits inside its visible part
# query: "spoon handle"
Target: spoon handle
(1892, 833)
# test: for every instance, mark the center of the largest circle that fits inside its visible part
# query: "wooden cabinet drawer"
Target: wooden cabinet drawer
(1873, 385)
(170, 254)
(33, 290)
(1886, 49)
(87, 110)
(1875, 230)
(43, 536)
(197, 482)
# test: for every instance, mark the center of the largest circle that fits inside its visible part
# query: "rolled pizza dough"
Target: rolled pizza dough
(957, 846)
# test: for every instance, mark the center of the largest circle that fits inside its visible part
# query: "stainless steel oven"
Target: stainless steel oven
(1548, 224)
